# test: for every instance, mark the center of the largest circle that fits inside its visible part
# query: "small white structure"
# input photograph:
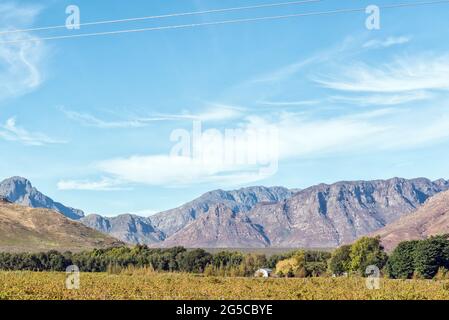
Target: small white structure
(263, 273)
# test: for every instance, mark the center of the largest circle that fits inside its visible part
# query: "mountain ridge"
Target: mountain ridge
(157, 228)
(324, 215)
(330, 215)
(20, 190)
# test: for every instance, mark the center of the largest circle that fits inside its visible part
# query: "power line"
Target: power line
(180, 14)
(193, 25)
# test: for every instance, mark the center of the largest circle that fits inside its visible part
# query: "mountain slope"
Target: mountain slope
(128, 228)
(319, 216)
(241, 200)
(330, 215)
(431, 219)
(219, 227)
(19, 190)
(29, 229)
(155, 229)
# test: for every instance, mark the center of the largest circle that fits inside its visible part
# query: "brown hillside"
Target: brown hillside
(430, 219)
(28, 229)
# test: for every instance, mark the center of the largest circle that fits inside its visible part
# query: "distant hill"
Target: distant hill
(31, 230)
(19, 190)
(431, 219)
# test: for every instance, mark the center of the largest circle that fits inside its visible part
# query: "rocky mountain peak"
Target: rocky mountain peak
(14, 187)
(20, 190)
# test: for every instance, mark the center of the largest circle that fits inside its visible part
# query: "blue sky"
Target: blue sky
(89, 120)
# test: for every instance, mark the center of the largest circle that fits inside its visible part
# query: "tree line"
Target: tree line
(410, 259)
(422, 259)
(177, 259)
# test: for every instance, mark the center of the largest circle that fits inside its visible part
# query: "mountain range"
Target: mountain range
(159, 227)
(320, 216)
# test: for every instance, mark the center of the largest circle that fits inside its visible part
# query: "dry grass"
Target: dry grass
(149, 285)
(24, 229)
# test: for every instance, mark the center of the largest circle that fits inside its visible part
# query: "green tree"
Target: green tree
(401, 263)
(195, 260)
(431, 254)
(340, 261)
(365, 252)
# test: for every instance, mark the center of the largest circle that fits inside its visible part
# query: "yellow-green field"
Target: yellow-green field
(47, 285)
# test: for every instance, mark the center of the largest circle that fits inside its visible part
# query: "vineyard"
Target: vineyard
(51, 285)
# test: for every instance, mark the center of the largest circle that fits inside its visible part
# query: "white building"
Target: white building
(263, 273)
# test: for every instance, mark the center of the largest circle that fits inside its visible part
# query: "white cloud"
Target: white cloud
(290, 70)
(92, 121)
(214, 113)
(402, 75)
(286, 71)
(11, 132)
(291, 103)
(248, 153)
(297, 137)
(21, 62)
(103, 185)
(390, 41)
(378, 130)
(161, 170)
(384, 99)
(309, 135)
(14, 15)
(300, 137)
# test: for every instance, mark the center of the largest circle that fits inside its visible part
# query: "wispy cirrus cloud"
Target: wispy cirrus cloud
(404, 74)
(290, 70)
(383, 99)
(11, 132)
(214, 112)
(90, 120)
(21, 63)
(388, 42)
